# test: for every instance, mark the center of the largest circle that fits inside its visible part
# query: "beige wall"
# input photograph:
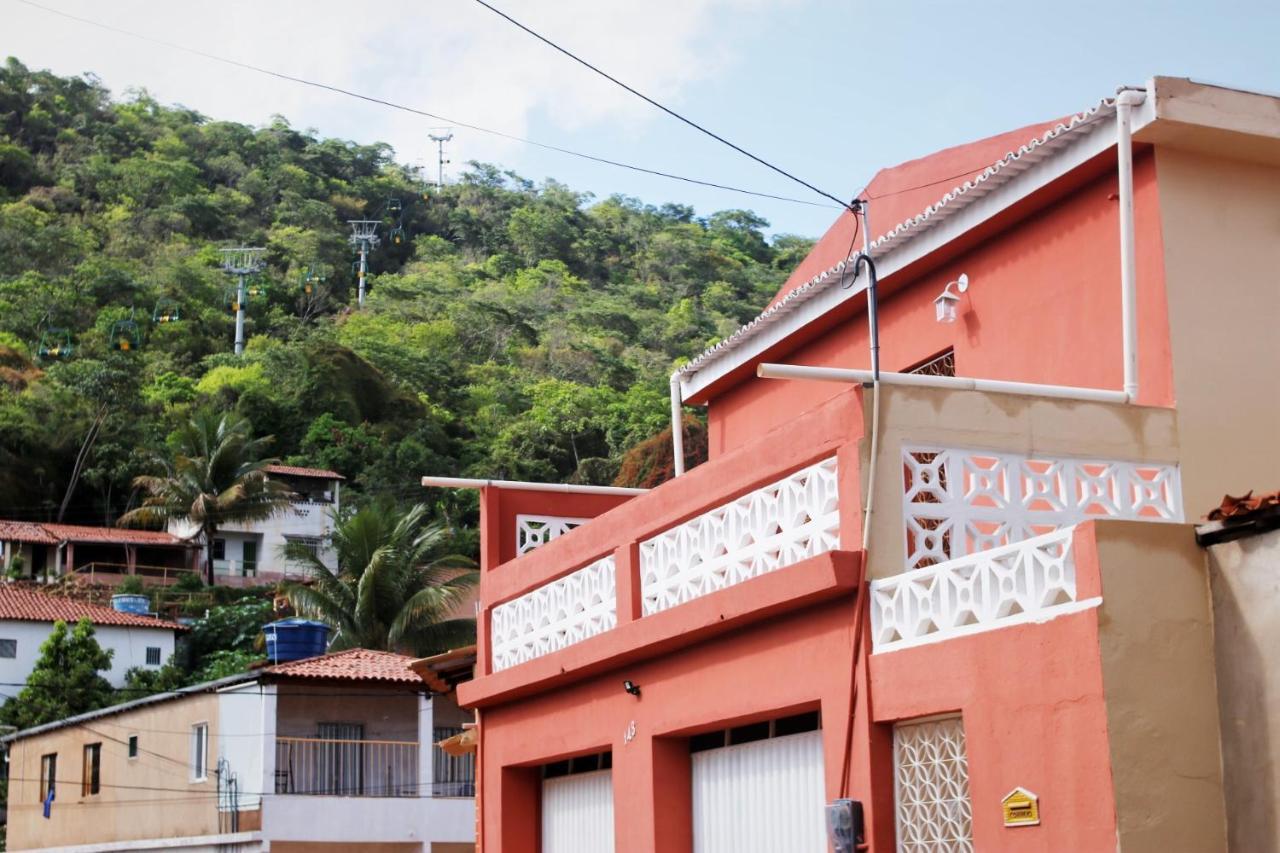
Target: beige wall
(1007, 422)
(145, 797)
(1221, 225)
(1245, 576)
(1155, 635)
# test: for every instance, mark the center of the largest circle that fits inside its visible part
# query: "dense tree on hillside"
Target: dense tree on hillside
(518, 330)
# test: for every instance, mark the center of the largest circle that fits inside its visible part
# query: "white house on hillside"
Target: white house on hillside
(27, 616)
(248, 553)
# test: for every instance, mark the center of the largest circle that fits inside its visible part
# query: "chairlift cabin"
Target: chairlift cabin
(231, 299)
(55, 344)
(397, 235)
(166, 311)
(125, 335)
(393, 207)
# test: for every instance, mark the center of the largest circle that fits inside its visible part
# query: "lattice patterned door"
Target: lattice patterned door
(931, 790)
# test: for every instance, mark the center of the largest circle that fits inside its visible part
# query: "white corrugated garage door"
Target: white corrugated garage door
(761, 797)
(577, 813)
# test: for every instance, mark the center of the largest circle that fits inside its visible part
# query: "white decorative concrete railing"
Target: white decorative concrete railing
(772, 527)
(958, 502)
(555, 615)
(533, 531)
(1028, 581)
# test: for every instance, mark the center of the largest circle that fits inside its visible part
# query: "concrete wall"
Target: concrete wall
(1155, 635)
(1005, 422)
(1245, 577)
(129, 647)
(1222, 253)
(151, 796)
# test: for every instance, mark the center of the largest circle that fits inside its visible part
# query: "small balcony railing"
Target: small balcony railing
(114, 573)
(346, 768)
(451, 775)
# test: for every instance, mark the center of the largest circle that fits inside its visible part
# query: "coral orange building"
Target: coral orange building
(963, 591)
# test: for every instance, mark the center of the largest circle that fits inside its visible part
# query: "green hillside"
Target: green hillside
(516, 330)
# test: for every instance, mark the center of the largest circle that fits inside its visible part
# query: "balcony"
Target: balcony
(976, 496)
(673, 562)
(112, 574)
(346, 767)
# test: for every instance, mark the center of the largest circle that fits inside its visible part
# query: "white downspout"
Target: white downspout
(1126, 99)
(677, 425)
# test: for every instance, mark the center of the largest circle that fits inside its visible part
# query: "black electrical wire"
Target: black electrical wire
(395, 106)
(660, 106)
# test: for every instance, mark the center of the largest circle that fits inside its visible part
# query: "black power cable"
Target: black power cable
(642, 96)
(415, 111)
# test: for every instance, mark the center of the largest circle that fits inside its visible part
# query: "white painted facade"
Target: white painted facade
(256, 548)
(128, 646)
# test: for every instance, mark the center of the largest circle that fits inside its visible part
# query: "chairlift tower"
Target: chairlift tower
(440, 139)
(241, 261)
(364, 235)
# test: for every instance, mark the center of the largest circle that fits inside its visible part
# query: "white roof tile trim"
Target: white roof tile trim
(995, 175)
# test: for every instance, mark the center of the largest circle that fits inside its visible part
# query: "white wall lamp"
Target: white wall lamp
(947, 301)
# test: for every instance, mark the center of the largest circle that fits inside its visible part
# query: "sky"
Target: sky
(830, 90)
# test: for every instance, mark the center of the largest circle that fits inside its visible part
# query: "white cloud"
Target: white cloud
(451, 57)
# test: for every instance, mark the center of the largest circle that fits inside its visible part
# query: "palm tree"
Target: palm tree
(215, 476)
(387, 593)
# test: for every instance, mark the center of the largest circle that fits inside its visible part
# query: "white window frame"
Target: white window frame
(200, 751)
(15, 648)
(159, 650)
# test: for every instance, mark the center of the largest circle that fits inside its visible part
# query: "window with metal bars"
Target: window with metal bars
(942, 364)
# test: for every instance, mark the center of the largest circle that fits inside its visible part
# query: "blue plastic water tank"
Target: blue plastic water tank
(295, 639)
(131, 603)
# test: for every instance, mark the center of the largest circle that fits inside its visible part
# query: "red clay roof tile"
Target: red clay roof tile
(43, 533)
(351, 665)
(26, 531)
(1232, 507)
(24, 604)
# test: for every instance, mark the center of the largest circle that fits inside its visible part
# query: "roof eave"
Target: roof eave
(1019, 174)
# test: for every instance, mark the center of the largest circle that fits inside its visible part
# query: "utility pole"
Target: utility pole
(240, 262)
(364, 235)
(440, 140)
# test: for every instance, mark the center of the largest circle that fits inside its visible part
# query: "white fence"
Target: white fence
(533, 531)
(760, 532)
(1031, 580)
(555, 615)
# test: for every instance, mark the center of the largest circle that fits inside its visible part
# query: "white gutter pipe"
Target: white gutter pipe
(467, 483)
(1126, 100)
(677, 423)
(955, 383)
